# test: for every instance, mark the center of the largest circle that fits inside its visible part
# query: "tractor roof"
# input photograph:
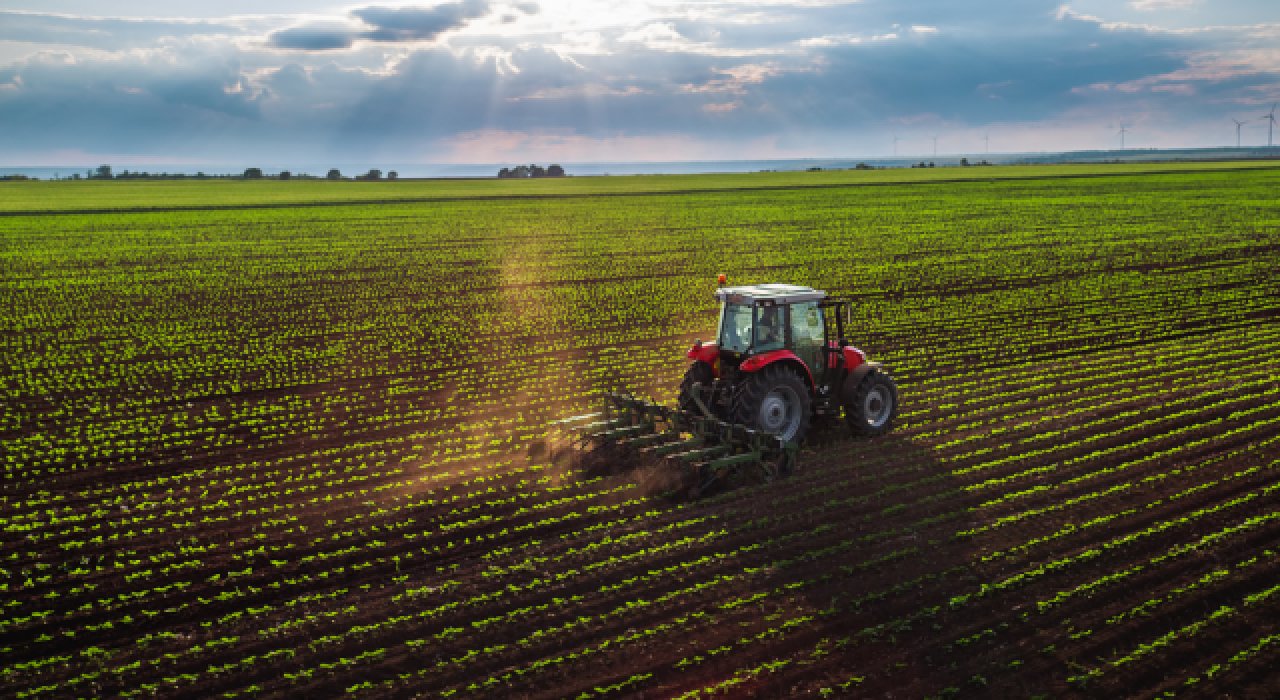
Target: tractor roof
(769, 293)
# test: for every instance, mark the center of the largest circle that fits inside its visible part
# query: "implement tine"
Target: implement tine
(575, 419)
(674, 447)
(694, 439)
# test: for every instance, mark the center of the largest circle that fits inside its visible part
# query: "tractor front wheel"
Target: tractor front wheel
(873, 405)
(774, 400)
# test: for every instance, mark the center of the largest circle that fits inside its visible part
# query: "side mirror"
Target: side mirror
(844, 342)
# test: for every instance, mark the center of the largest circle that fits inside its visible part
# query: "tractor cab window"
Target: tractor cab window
(807, 335)
(770, 332)
(735, 328)
(806, 324)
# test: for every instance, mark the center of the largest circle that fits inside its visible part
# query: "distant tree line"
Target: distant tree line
(531, 171)
(105, 172)
(863, 166)
(964, 162)
(818, 169)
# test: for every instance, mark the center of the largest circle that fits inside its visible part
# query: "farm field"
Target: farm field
(293, 451)
(143, 195)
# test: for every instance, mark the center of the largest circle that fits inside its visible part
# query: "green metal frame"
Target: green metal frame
(701, 443)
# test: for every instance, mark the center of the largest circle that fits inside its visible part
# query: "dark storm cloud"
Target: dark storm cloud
(314, 38)
(386, 24)
(881, 64)
(152, 94)
(1021, 76)
(796, 74)
(418, 23)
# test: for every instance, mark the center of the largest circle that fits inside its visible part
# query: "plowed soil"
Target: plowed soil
(320, 464)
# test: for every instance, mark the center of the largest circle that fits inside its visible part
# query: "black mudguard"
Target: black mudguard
(855, 378)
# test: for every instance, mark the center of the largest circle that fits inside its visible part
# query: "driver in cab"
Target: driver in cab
(769, 329)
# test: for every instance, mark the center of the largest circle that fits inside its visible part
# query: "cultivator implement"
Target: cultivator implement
(703, 446)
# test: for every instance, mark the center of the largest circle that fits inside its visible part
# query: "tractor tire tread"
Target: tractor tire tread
(857, 423)
(745, 410)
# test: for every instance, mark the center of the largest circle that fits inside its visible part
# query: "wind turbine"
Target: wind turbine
(1123, 131)
(895, 145)
(935, 146)
(1271, 122)
(1238, 125)
(987, 138)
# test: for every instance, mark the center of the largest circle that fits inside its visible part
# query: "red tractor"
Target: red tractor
(780, 359)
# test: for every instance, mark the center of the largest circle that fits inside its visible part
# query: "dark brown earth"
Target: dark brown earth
(335, 485)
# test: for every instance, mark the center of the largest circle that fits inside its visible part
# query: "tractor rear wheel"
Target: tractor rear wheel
(774, 400)
(698, 373)
(872, 406)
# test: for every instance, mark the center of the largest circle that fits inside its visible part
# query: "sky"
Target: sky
(512, 81)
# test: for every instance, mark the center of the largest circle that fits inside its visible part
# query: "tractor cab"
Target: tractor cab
(797, 322)
(756, 319)
(780, 357)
